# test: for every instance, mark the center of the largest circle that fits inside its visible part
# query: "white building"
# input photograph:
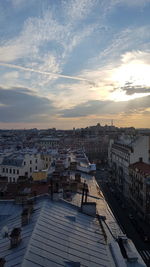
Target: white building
(124, 152)
(22, 165)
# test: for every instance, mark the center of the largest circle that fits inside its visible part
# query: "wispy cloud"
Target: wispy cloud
(77, 10)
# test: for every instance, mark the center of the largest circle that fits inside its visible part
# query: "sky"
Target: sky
(74, 63)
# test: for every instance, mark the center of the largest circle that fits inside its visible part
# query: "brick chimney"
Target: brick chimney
(15, 237)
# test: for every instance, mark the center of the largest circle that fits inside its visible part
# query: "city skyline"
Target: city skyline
(74, 63)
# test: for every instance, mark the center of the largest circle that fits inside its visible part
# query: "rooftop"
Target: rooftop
(57, 235)
(141, 167)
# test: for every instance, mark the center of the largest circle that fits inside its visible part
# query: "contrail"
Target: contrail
(45, 72)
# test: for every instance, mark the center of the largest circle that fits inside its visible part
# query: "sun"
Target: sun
(136, 73)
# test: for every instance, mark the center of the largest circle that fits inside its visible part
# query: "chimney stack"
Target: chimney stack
(15, 237)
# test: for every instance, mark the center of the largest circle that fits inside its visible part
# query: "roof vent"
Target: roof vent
(15, 237)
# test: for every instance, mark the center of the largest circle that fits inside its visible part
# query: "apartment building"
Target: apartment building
(22, 164)
(123, 152)
(140, 188)
(49, 142)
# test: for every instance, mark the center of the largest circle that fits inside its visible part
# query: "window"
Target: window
(17, 171)
(24, 163)
(6, 170)
(36, 161)
(13, 171)
(14, 180)
(30, 161)
(30, 169)
(3, 169)
(36, 167)
(10, 179)
(10, 171)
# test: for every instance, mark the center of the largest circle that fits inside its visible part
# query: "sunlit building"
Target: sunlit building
(123, 152)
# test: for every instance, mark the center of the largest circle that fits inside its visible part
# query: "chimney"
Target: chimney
(2, 262)
(78, 177)
(30, 206)
(15, 237)
(25, 215)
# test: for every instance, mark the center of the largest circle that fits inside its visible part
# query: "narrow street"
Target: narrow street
(125, 216)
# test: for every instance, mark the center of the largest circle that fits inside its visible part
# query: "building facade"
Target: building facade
(139, 188)
(22, 165)
(124, 152)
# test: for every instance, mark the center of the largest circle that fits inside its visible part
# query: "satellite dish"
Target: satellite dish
(4, 231)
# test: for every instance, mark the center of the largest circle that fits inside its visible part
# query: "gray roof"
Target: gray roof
(7, 209)
(13, 160)
(57, 235)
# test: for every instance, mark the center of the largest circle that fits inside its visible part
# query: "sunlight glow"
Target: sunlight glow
(120, 95)
(135, 72)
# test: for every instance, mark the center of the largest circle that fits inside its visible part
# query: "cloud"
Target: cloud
(110, 5)
(19, 4)
(22, 105)
(131, 3)
(107, 108)
(44, 44)
(137, 56)
(78, 10)
(107, 83)
(129, 41)
(131, 89)
(39, 31)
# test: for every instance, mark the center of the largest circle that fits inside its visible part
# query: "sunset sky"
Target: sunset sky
(74, 63)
